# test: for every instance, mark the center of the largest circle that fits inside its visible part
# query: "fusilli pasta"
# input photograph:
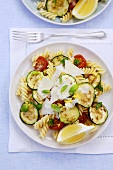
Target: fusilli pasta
(47, 14)
(57, 53)
(40, 5)
(55, 135)
(24, 91)
(66, 17)
(81, 79)
(97, 67)
(42, 126)
(50, 69)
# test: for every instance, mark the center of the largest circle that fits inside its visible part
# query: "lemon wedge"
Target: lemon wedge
(84, 8)
(73, 133)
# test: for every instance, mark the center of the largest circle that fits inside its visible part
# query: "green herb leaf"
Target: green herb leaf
(64, 88)
(35, 72)
(77, 61)
(51, 122)
(55, 107)
(39, 106)
(55, 2)
(45, 91)
(73, 89)
(99, 87)
(98, 105)
(63, 60)
(24, 108)
(60, 79)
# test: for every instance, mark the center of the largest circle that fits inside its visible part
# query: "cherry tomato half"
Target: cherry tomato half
(72, 4)
(41, 64)
(57, 125)
(79, 61)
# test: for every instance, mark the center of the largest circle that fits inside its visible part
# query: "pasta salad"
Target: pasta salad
(62, 91)
(66, 9)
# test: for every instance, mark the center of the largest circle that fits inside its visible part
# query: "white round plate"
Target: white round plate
(31, 5)
(26, 66)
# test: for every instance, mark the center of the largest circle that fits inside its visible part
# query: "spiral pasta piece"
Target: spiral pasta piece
(88, 70)
(81, 79)
(43, 131)
(23, 91)
(97, 67)
(66, 17)
(82, 109)
(38, 125)
(40, 5)
(47, 14)
(55, 135)
(57, 53)
(106, 87)
(50, 69)
(70, 54)
(46, 53)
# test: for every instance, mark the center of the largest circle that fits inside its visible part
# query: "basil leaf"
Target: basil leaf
(45, 91)
(60, 79)
(35, 72)
(55, 2)
(77, 61)
(39, 106)
(24, 108)
(99, 87)
(51, 122)
(63, 88)
(55, 107)
(73, 89)
(98, 105)
(63, 60)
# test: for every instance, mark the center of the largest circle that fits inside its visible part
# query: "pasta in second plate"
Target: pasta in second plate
(62, 90)
(62, 9)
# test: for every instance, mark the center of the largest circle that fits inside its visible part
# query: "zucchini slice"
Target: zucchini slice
(29, 113)
(98, 115)
(57, 60)
(32, 79)
(57, 7)
(36, 97)
(94, 80)
(85, 94)
(69, 116)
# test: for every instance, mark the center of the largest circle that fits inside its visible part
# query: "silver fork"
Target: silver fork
(36, 37)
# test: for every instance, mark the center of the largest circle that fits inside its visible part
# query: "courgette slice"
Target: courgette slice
(33, 78)
(36, 97)
(29, 113)
(57, 60)
(69, 116)
(98, 115)
(94, 80)
(65, 83)
(85, 94)
(57, 7)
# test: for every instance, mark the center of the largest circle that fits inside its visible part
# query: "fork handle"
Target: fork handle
(95, 35)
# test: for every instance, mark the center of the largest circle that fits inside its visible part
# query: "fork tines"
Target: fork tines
(30, 37)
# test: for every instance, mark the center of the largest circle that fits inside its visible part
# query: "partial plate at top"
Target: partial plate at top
(31, 5)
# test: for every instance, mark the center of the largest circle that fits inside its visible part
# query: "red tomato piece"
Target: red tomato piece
(60, 102)
(79, 61)
(57, 125)
(41, 64)
(72, 4)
